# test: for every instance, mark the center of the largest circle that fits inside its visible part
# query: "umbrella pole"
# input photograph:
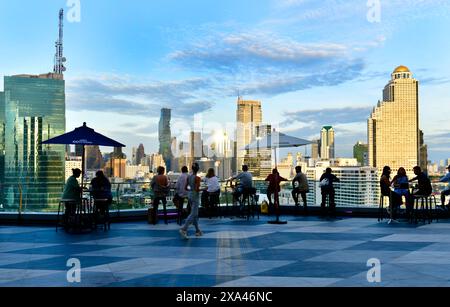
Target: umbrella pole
(276, 195)
(82, 170)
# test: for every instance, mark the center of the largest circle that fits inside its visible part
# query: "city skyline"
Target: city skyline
(305, 76)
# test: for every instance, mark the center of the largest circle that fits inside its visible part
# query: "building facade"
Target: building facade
(165, 137)
(248, 117)
(361, 153)
(393, 126)
(34, 109)
(327, 143)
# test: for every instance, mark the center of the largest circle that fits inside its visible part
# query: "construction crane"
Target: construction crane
(59, 58)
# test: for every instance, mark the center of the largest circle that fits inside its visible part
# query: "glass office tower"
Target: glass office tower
(2, 146)
(34, 109)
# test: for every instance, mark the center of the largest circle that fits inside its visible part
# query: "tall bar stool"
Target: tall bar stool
(249, 202)
(381, 207)
(98, 205)
(421, 209)
(69, 205)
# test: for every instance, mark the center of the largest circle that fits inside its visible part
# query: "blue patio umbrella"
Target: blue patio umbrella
(84, 136)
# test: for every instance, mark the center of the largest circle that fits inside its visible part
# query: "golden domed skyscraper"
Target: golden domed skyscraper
(393, 127)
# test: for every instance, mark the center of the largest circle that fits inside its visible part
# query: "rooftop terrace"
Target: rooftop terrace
(308, 251)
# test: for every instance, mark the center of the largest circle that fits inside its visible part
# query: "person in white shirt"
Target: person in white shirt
(446, 191)
(181, 193)
(211, 193)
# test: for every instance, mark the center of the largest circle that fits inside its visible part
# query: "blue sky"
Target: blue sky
(310, 62)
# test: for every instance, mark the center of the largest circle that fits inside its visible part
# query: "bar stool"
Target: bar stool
(421, 205)
(250, 203)
(69, 206)
(104, 202)
(381, 207)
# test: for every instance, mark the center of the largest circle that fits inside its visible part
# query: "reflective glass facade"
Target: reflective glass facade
(34, 108)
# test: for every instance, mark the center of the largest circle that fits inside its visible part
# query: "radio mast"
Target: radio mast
(59, 58)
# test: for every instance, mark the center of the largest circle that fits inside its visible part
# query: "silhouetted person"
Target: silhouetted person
(300, 187)
(72, 192)
(181, 193)
(211, 194)
(424, 187)
(245, 183)
(101, 192)
(193, 186)
(327, 187)
(160, 186)
(446, 191)
(274, 180)
(394, 199)
(401, 188)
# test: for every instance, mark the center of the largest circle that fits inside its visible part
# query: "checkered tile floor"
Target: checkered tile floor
(236, 253)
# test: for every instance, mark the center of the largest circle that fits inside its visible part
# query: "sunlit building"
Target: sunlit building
(327, 143)
(393, 126)
(34, 111)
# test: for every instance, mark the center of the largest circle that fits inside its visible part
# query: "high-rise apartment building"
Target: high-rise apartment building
(393, 126)
(327, 143)
(248, 117)
(34, 111)
(315, 149)
(165, 137)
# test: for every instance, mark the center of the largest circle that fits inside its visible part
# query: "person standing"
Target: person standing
(300, 187)
(180, 192)
(446, 191)
(327, 187)
(193, 188)
(160, 186)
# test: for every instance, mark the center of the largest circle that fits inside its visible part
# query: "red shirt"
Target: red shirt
(274, 182)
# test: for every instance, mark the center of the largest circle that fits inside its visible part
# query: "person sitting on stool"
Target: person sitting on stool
(300, 186)
(245, 183)
(101, 190)
(327, 187)
(72, 191)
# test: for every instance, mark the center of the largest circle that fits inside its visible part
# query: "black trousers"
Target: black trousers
(295, 193)
(330, 193)
(156, 202)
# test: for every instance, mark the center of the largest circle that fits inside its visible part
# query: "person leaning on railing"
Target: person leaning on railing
(274, 180)
(300, 187)
(327, 189)
(161, 186)
(446, 191)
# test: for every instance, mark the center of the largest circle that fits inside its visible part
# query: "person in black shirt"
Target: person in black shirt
(424, 183)
(326, 184)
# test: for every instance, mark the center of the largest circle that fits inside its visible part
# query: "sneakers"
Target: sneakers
(184, 234)
(199, 233)
(391, 221)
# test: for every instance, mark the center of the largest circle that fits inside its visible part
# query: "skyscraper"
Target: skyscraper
(34, 108)
(259, 160)
(140, 154)
(327, 143)
(196, 146)
(248, 117)
(165, 137)
(393, 126)
(315, 149)
(2, 144)
(361, 153)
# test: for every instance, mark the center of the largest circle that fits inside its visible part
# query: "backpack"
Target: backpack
(324, 183)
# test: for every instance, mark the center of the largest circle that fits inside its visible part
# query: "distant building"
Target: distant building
(327, 143)
(286, 167)
(196, 146)
(259, 160)
(135, 171)
(94, 158)
(140, 154)
(165, 137)
(361, 153)
(393, 126)
(359, 186)
(33, 111)
(248, 117)
(72, 163)
(315, 149)
(423, 152)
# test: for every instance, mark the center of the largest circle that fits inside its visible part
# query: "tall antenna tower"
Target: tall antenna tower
(59, 58)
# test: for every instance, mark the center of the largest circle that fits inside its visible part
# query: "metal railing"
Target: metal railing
(138, 195)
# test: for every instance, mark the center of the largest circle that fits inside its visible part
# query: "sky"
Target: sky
(311, 63)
